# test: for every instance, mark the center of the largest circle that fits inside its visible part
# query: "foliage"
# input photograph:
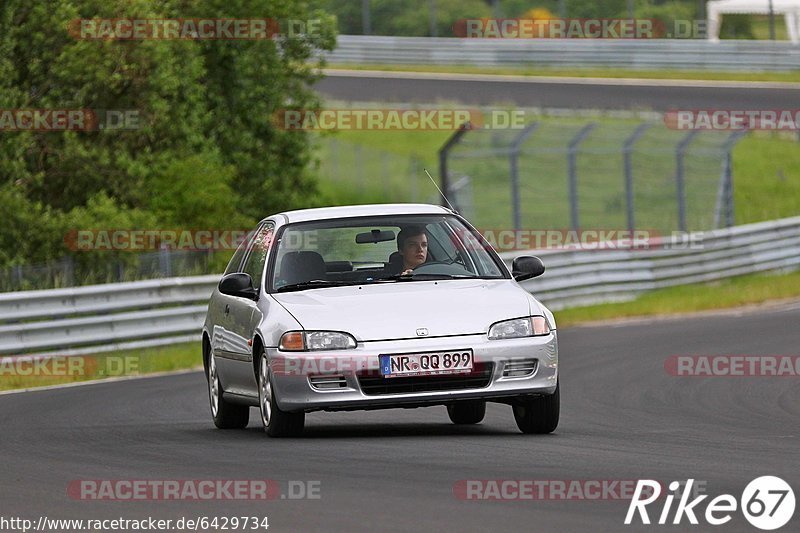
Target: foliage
(205, 152)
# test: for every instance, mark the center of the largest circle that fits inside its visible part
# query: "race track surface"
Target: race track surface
(623, 418)
(649, 95)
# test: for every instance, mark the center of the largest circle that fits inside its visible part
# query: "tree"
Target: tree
(204, 110)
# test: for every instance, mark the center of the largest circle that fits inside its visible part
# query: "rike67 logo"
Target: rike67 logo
(767, 503)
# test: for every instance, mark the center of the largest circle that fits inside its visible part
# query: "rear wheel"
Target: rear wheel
(277, 423)
(467, 412)
(226, 415)
(538, 414)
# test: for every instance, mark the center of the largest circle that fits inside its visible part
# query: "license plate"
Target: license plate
(426, 364)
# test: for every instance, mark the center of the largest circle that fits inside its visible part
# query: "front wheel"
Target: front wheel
(226, 415)
(538, 414)
(467, 412)
(277, 423)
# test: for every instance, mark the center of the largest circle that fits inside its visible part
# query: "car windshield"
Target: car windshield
(379, 250)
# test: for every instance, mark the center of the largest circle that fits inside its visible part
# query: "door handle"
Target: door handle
(227, 309)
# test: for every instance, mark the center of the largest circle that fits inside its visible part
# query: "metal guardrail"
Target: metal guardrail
(148, 313)
(688, 54)
(596, 276)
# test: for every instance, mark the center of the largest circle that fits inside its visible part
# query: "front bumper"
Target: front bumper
(293, 373)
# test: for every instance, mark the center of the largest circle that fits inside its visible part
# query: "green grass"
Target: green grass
(766, 173)
(99, 366)
(661, 74)
(729, 293)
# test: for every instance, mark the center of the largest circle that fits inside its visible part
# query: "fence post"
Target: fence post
(725, 201)
(680, 152)
(69, 271)
(359, 166)
(414, 171)
(334, 148)
(514, 164)
(626, 154)
(572, 164)
(443, 153)
(385, 175)
(164, 261)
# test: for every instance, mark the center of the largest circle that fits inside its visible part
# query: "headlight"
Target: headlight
(531, 326)
(300, 341)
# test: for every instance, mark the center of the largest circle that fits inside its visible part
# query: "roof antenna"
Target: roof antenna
(453, 209)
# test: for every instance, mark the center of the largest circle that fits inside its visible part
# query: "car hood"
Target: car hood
(397, 310)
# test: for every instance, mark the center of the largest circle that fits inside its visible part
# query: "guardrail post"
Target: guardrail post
(572, 169)
(514, 164)
(680, 152)
(444, 152)
(627, 151)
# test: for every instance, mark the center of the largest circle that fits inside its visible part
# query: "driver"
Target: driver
(412, 244)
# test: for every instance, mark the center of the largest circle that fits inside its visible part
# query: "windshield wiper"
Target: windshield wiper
(314, 284)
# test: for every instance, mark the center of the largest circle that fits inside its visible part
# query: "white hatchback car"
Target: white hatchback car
(377, 306)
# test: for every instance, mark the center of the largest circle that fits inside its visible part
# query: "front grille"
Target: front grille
(374, 384)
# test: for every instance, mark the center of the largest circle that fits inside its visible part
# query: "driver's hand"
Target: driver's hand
(407, 272)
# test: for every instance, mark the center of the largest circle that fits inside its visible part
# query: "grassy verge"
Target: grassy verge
(664, 74)
(729, 293)
(63, 370)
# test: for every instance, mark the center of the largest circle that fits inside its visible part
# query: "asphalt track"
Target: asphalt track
(574, 93)
(623, 417)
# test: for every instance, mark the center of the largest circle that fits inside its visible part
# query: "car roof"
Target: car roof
(346, 211)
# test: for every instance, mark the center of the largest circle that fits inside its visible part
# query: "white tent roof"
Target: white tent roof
(760, 7)
(790, 9)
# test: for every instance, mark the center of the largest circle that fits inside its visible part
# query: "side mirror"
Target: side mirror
(238, 284)
(526, 267)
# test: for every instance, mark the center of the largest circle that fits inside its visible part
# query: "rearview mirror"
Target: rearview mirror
(238, 284)
(375, 236)
(526, 267)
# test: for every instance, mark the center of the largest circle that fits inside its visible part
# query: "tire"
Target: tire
(226, 415)
(277, 423)
(467, 412)
(539, 414)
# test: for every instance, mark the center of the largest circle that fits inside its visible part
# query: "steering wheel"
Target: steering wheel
(440, 267)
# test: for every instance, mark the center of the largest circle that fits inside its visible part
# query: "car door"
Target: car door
(223, 340)
(245, 315)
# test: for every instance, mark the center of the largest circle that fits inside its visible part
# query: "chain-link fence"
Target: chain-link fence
(558, 172)
(372, 175)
